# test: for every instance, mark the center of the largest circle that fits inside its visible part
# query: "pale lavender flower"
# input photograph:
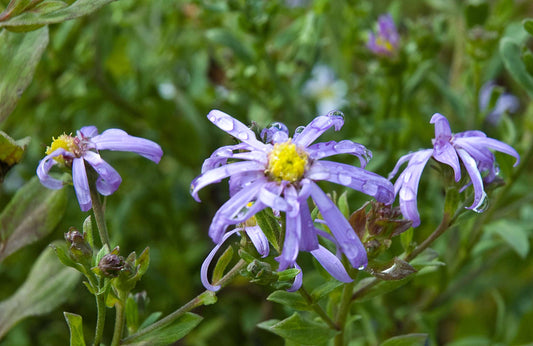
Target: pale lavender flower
(385, 42)
(469, 148)
(281, 174)
(506, 103)
(73, 151)
(327, 91)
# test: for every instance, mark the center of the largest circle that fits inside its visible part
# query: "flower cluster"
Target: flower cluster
(73, 151)
(281, 174)
(469, 149)
(386, 40)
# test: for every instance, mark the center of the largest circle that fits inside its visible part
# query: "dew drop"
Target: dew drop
(225, 124)
(370, 189)
(344, 145)
(345, 179)
(483, 205)
(496, 169)
(299, 129)
(212, 118)
(243, 136)
(407, 194)
(336, 114)
(407, 177)
(361, 268)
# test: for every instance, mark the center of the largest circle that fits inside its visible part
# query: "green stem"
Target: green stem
(444, 225)
(100, 320)
(98, 211)
(194, 303)
(342, 314)
(317, 308)
(120, 308)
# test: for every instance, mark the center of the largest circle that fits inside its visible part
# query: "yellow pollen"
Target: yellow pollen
(385, 44)
(287, 162)
(64, 141)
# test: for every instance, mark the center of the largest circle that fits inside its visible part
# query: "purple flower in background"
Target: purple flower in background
(281, 174)
(385, 42)
(471, 148)
(74, 151)
(506, 103)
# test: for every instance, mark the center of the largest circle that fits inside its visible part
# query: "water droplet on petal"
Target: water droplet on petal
(496, 169)
(370, 189)
(407, 194)
(407, 177)
(336, 114)
(345, 179)
(299, 129)
(242, 136)
(225, 124)
(361, 268)
(483, 205)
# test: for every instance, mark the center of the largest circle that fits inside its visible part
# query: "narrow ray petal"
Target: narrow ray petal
(317, 127)
(119, 140)
(87, 132)
(348, 241)
(400, 162)
(490, 143)
(442, 126)
(324, 149)
(259, 240)
(331, 263)
(108, 178)
(308, 238)
(44, 168)
(217, 174)
(475, 176)
(298, 280)
(81, 185)
(205, 265)
(229, 124)
(444, 152)
(293, 230)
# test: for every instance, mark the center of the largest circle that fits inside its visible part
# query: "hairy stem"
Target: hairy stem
(120, 308)
(317, 308)
(342, 314)
(100, 319)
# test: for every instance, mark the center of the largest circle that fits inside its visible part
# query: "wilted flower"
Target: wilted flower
(471, 148)
(328, 92)
(385, 42)
(281, 174)
(506, 103)
(74, 151)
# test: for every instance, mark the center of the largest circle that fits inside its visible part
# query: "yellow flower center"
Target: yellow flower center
(66, 142)
(287, 162)
(380, 41)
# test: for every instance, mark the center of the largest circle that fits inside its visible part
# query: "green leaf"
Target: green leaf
(342, 202)
(31, 214)
(222, 264)
(19, 56)
(16, 7)
(476, 13)
(380, 288)
(48, 15)
(270, 227)
(143, 262)
(510, 53)
(154, 316)
(292, 300)
(514, 233)
(226, 38)
(300, 330)
(132, 314)
(48, 285)
(166, 334)
(528, 25)
(407, 340)
(88, 231)
(75, 325)
(11, 152)
(324, 289)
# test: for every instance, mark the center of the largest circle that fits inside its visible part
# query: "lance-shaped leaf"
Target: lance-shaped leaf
(48, 285)
(75, 325)
(510, 53)
(18, 58)
(52, 12)
(31, 214)
(11, 152)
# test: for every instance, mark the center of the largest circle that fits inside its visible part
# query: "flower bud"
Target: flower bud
(110, 265)
(80, 250)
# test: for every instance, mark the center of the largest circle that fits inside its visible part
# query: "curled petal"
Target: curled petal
(325, 149)
(119, 140)
(258, 239)
(442, 126)
(220, 156)
(489, 143)
(81, 185)
(298, 280)
(317, 127)
(483, 156)
(356, 178)
(444, 152)
(87, 132)
(217, 174)
(270, 196)
(475, 176)
(400, 162)
(407, 185)
(205, 265)
(229, 124)
(348, 241)
(108, 178)
(331, 263)
(226, 214)
(44, 168)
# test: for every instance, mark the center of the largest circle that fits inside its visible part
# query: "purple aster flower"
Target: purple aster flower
(74, 151)
(469, 148)
(506, 103)
(281, 174)
(385, 42)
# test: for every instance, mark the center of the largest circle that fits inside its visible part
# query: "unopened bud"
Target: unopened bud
(110, 265)
(79, 248)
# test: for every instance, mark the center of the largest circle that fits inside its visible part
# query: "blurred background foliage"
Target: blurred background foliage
(155, 69)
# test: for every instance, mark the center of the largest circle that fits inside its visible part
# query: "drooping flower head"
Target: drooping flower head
(73, 151)
(328, 92)
(386, 40)
(281, 174)
(470, 149)
(506, 103)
